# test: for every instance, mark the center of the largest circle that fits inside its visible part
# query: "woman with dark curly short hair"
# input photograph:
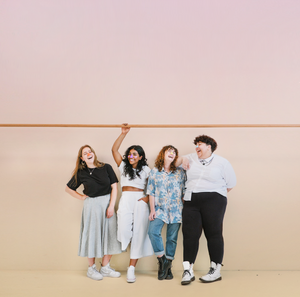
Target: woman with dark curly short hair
(133, 209)
(165, 189)
(209, 179)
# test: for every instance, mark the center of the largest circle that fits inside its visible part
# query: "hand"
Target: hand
(185, 163)
(83, 197)
(145, 199)
(152, 216)
(125, 129)
(110, 212)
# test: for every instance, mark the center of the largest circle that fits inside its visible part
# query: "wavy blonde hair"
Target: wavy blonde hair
(80, 165)
(160, 159)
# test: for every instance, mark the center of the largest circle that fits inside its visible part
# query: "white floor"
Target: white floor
(75, 284)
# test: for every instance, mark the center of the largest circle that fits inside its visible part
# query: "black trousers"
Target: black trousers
(205, 211)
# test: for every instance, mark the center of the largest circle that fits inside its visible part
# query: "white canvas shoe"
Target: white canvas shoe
(93, 273)
(214, 273)
(107, 271)
(188, 273)
(130, 274)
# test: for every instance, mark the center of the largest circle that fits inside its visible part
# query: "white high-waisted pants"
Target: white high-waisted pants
(133, 222)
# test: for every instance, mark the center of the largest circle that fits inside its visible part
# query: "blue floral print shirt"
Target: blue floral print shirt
(167, 189)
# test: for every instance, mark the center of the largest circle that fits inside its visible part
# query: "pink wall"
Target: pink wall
(143, 62)
(225, 61)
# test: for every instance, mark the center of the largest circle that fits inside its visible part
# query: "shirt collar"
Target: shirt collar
(207, 160)
(163, 170)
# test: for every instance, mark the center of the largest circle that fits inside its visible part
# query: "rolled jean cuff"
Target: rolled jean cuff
(169, 258)
(159, 253)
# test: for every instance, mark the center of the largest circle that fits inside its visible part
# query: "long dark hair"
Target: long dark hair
(128, 169)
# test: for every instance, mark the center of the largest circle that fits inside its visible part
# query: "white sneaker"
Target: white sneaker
(108, 271)
(188, 273)
(214, 273)
(130, 274)
(93, 273)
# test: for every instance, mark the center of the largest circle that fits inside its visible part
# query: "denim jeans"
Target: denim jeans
(154, 232)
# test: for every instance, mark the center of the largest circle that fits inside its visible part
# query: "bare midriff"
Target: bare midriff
(131, 189)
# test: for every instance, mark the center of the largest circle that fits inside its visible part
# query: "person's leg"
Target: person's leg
(125, 219)
(171, 242)
(133, 262)
(140, 242)
(91, 261)
(131, 271)
(106, 259)
(213, 211)
(106, 270)
(154, 232)
(191, 229)
(92, 272)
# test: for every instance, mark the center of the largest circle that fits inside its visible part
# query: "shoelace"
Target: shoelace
(211, 270)
(186, 272)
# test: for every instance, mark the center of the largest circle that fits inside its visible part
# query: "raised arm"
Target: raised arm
(115, 148)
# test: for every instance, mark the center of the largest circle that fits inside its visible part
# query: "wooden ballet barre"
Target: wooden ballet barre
(150, 125)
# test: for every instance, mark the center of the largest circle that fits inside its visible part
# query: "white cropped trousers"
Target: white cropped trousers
(133, 223)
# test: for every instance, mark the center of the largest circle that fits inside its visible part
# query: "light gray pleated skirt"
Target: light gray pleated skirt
(98, 234)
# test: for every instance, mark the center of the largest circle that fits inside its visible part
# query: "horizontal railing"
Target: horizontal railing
(150, 125)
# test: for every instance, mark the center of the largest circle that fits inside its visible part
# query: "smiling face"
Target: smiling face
(203, 150)
(88, 157)
(170, 155)
(134, 158)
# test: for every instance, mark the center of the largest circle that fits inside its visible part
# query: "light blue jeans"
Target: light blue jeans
(154, 232)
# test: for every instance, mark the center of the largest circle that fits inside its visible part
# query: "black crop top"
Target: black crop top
(96, 184)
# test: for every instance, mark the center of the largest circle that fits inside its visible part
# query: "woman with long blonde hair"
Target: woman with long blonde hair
(98, 234)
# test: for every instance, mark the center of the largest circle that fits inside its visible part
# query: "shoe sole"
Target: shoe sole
(206, 281)
(96, 279)
(107, 275)
(188, 282)
(163, 277)
(130, 281)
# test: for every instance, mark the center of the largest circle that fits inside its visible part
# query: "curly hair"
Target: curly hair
(207, 140)
(80, 164)
(128, 169)
(160, 159)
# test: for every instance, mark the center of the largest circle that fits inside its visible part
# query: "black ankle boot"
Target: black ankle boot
(164, 265)
(169, 274)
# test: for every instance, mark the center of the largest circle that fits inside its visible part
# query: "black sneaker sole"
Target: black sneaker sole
(188, 282)
(205, 281)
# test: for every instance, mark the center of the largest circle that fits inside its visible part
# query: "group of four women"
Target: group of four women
(202, 187)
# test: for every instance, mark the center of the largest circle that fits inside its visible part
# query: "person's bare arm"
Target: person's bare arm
(116, 146)
(75, 194)
(113, 197)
